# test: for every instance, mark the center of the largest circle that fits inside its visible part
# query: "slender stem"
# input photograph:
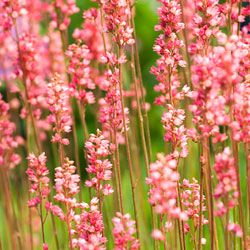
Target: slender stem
(84, 124)
(140, 118)
(226, 232)
(180, 223)
(30, 228)
(240, 203)
(145, 114)
(69, 228)
(42, 221)
(7, 203)
(164, 232)
(55, 231)
(118, 172)
(236, 159)
(128, 148)
(209, 194)
(201, 205)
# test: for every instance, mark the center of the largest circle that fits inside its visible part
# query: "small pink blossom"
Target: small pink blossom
(58, 99)
(98, 149)
(38, 176)
(123, 232)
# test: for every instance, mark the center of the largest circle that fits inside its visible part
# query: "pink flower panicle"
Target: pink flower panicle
(67, 9)
(84, 222)
(98, 149)
(80, 70)
(10, 11)
(90, 33)
(207, 17)
(110, 113)
(123, 232)
(235, 228)
(168, 47)
(66, 183)
(58, 100)
(225, 192)
(66, 187)
(117, 14)
(8, 142)
(31, 68)
(38, 176)
(175, 132)
(55, 210)
(56, 54)
(190, 198)
(163, 180)
(89, 227)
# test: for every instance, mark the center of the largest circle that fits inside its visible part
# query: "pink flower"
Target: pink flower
(97, 149)
(45, 246)
(175, 132)
(66, 183)
(58, 99)
(89, 227)
(158, 235)
(117, 14)
(110, 113)
(225, 192)
(163, 180)
(67, 9)
(123, 231)
(8, 142)
(38, 176)
(90, 33)
(80, 70)
(190, 198)
(235, 228)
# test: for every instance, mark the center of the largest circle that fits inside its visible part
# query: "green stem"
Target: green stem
(128, 147)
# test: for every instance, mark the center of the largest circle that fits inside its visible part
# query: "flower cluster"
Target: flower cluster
(8, 142)
(168, 46)
(207, 17)
(98, 149)
(66, 183)
(64, 10)
(190, 198)
(38, 176)
(90, 33)
(58, 99)
(175, 132)
(32, 74)
(89, 227)
(9, 12)
(80, 71)
(241, 125)
(163, 181)
(84, 222)
(235, 228)
(123, 232)
(226, 190)
(110, 112)
(56, 54)
(117, 14)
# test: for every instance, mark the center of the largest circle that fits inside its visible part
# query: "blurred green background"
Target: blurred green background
(145, 19)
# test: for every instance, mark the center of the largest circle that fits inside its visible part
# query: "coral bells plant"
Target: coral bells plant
(60, 118)
(124, 125)
(97, 149)
(123, 231)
